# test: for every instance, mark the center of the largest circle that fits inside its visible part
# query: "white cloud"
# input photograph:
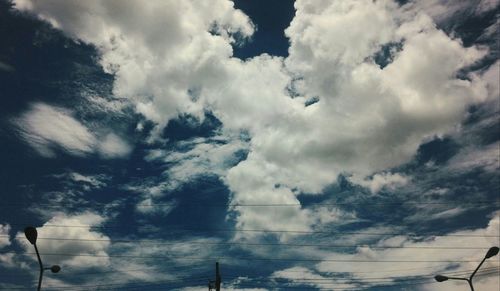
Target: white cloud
(367, 120)
(491, 77)
(113, 146)
(158, 50)
(85, 246)
(466, 238)
(381, 180)
(199, 157)
(305, 276)
(205, 157)
(47, 128)
(149, 206)
(487, 5)
(444, 11)
(4, 235)
(95, 181)
(335, 266)
(487, 158)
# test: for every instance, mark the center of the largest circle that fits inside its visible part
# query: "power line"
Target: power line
(455, 273)
(273, 231)
(381, 271)
(143, 241)
(264, 282)
(358, 281)
(61, 204)
(251, 258)
(361, 284)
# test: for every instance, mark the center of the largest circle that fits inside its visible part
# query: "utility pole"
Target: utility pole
(217, 277)
(215, 284)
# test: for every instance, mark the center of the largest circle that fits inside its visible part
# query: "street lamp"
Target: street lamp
(31, 235)
(493, 251)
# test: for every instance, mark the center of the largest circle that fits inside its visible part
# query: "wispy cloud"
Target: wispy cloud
(48, 129)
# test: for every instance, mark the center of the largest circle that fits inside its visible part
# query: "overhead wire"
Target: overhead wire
(305, 204)
(178, 257)
(296, 281)
(257, 283)
(155, 242)
(291, 285)
(273, 231)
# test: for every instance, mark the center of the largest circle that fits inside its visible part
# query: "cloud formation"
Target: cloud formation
(4, 235)
(173, 57)
(48, 128)
(400, 248)
(157, 50)
(87, 242)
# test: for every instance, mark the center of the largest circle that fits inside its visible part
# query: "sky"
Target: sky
(303, 145)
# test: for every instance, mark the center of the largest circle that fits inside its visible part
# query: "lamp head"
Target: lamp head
(31, 234)
(441, 278)
(493, 251)
(55, 269)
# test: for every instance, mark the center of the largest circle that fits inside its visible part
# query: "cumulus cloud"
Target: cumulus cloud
(72, 248)
(368, 118)
(157, 50)
(48, 128)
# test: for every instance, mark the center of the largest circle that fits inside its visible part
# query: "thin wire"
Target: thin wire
(53, 204)
(362, 285)
(408, 281)
(258, 282)
(387, 278)
(254, 258)
(274, 231)
(142, 241)
(376, 271)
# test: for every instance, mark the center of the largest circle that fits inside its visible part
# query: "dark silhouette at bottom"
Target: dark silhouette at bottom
(493, 251)
(32, 235)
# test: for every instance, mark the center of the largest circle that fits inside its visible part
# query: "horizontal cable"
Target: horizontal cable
(407, 277)
(143, 241)
(253, 281)
(378, 270)
(252, 258)
(272, 231)
(362, 285)
(82, 204)
(260, 280)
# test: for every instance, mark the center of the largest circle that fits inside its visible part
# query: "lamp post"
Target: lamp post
(493, 251)
(31, 235)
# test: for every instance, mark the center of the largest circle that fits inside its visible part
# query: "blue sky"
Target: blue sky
(310, 145)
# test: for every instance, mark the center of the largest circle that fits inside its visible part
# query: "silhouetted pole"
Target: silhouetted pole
(31, 235)
(217, 277)
(493, 251)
